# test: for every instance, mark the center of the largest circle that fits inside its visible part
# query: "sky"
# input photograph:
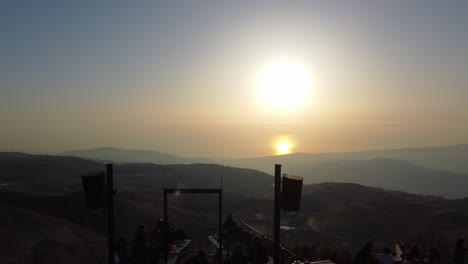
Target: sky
(182, 76)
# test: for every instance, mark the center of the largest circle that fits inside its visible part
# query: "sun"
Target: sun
(284, 84)
(283, 147)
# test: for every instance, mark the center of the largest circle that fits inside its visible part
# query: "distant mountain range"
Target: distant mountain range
(58, 173)
(133, 156)
(432, 170)
(448, 158)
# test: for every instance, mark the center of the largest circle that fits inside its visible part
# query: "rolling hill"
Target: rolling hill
(390, 174)
(34, 237)
(62, 174)
(119, 155)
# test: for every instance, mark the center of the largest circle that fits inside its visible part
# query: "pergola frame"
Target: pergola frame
(168, 191)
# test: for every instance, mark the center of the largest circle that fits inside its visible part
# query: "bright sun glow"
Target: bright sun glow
(284, 84)
(283, 147)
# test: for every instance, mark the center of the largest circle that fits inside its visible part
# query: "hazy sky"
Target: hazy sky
(181, 76)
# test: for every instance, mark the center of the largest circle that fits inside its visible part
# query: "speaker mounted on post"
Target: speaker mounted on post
(94, 190)
(291, 192)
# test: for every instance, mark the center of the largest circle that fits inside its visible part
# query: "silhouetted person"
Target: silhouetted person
(120, 255)
(434, 257)
(364, 256)
(258, 253)
(229, 226)
(237, 257)
(158, 230)
(216, 258)
(386, 257)
(399, 251)
(230, 232)
(157, 241)
(173, 235)
(406, 258)
(415, 253)
(199, 258)
(459, 257)
(178, 234)
(123, 254)
(117, 249)
(139, 245)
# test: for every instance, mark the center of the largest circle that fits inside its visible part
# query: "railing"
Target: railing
(287, 255)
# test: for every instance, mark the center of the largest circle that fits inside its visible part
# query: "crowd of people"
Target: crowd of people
(412, 256)
(148, 247)
(239, 248)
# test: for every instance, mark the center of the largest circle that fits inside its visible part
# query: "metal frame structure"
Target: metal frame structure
(195, 191)
(277, 216)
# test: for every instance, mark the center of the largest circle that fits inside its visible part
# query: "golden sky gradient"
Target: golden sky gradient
(183, 79)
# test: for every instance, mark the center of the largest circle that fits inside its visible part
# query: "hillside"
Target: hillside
(118, 155)
(33, 237)
(344, 216)
(389, 174)
(58, 174)
(331, 214)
